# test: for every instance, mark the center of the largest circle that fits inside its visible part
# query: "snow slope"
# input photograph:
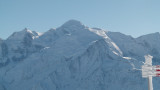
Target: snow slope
(75, 57)
(151, 43)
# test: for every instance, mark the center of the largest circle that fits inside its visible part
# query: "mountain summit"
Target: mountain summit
(73, 24)
(75, 57)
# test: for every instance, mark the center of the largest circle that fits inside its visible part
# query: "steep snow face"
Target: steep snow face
(67, 29)
(47, 38)
(129, 45)
(20, 45)
(70, 29)
(138, 47)
(26, 33)
(72, 38)
(22, 38)
(103, 34)
(100, 69)
(151, 43)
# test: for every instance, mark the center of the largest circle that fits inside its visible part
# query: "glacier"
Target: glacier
(76, 57)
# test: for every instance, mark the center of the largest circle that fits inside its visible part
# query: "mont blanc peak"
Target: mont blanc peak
(73, 25)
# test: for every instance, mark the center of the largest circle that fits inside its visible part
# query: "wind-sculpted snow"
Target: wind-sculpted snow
(75, 57)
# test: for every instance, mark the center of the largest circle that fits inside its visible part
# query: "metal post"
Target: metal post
(150, 85)
(148, 71)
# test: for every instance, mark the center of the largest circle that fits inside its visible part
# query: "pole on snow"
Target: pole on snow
(148, 71)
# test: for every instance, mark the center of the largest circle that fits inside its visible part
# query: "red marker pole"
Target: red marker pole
(158, 75)
(157, 70)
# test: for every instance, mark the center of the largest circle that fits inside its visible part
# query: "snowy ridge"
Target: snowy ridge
(75, 57)
(103, 34)
(20, 35)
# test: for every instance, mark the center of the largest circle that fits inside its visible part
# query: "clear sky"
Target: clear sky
(131, 17)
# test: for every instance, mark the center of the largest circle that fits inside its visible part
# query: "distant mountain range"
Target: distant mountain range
(76, 57)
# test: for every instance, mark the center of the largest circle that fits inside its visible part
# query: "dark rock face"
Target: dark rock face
(27, 41)
(4, 50)
(4, 60)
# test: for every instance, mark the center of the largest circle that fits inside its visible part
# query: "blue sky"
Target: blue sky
(131, 17)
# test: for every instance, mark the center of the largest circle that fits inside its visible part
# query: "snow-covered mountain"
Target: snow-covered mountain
(75, 57)
(151, 43)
